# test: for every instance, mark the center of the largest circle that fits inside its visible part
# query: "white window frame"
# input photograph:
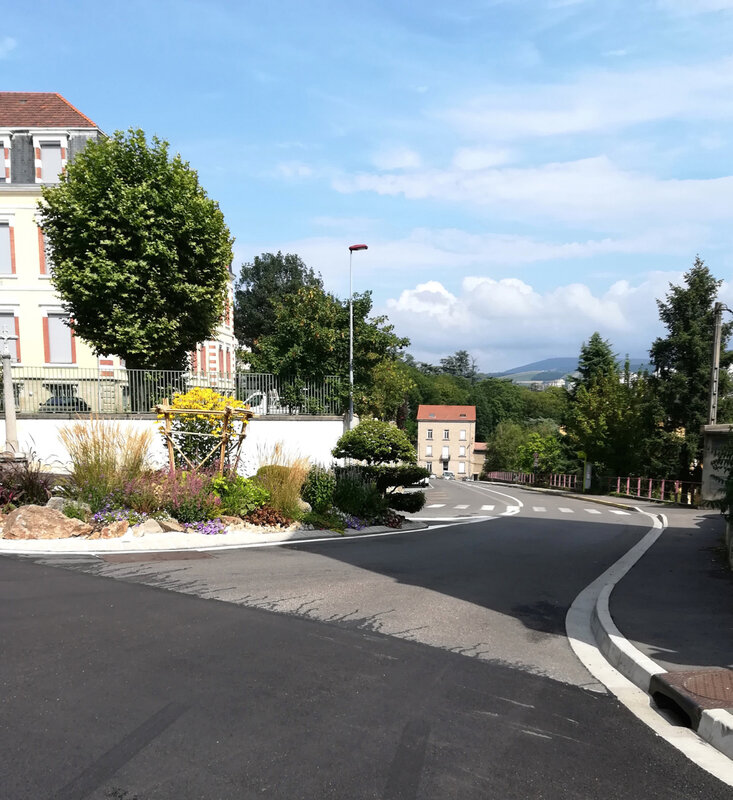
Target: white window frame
(462, 468)
(462, 435)
(430, 434)
(5, 143)
(8, 218)
(446, 434)
(12, 312)
(429, 466)
(462, 451)
(445, 456)
(62, 139)
(429, 451)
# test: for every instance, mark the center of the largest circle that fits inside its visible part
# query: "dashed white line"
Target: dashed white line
(616, 511)
(487, 508)
(566, 510)
(511, 510)
(436, 505)
(592, 510)
(540, 509)
(462, 507)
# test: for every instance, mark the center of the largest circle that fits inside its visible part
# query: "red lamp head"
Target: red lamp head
(357, 247)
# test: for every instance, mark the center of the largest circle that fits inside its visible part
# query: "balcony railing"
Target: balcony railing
(107, 390)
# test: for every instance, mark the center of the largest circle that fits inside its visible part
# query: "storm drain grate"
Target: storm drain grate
(712, 685)
(693, 691)
(173, 555)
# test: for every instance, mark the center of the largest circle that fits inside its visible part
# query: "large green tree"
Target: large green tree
(141, 254)
(310, 339)
(596, 361)
(682, 361)
(261, 286)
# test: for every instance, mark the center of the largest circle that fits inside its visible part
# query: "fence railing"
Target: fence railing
(556, 480)
(686, 493)
(108, 390)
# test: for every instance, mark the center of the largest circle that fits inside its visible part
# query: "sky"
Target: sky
(524, 172)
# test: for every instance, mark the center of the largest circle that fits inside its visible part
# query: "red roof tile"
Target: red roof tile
(479, 447)
(40, 110)
(446, 413)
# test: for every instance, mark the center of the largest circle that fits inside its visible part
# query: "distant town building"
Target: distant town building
(446, 440)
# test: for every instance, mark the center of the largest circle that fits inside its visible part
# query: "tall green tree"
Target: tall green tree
(596, 361)
(461, 364)
(141, 253)
(682, 361)
(261, 285)
(310, 339)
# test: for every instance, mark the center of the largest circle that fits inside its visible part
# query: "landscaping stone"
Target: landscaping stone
(112, 531)
(303, 506)
(60, 503)
(171, 525)
(232, 522)
(41, 522)
(149, 526)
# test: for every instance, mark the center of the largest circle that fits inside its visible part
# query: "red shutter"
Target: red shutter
(42, 251)
(17, 341)
(229, 363)
(73, 346)
(12, 249)
(46, 344)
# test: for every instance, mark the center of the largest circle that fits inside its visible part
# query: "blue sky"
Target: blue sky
(525, 172)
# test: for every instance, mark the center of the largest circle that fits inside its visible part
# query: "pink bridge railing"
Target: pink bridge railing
(556, 480)
(686, 493)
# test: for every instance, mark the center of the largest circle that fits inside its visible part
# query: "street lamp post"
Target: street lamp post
(11, 431)
(352, 248)
(715, 372)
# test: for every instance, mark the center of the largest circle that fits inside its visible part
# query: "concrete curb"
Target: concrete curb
(715, 725)
(209, 543)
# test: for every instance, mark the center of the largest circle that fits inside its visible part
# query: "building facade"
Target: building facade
(40, 133)
(446, 438)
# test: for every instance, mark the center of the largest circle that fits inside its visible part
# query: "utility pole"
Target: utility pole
(715, 373)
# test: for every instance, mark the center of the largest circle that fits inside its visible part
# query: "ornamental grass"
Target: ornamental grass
(283, 474)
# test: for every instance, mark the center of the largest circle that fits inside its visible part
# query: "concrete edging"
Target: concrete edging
(715, 725)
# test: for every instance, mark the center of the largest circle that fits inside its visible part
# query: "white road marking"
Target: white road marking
(616, 511)
(510, 511)
(592, 510)
(541, 509)
(566, 510)
(436, 505)
(487, 508)
(462, 507)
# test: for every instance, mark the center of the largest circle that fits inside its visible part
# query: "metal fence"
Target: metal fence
(556, 480)
(686, 493)
(107, 390)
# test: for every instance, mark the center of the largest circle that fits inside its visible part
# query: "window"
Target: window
(446, 434)
(429, 450)
(4, 162)
(51, 161)
(462, 467)
(462, 452)
(446, 453)
(430, 433)
(9, 323)
(59, 344)
(429, 466)
(6, 249)
(462, 435)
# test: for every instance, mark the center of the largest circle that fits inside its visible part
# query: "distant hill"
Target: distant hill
(551, 369)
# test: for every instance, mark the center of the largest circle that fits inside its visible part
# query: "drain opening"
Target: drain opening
(674, 712)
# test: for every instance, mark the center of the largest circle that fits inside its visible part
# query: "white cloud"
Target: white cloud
(293, 169)
(7, 45)
(591, 191)
(471, 158)
(600, 101)
(506, 321)
(396, 158)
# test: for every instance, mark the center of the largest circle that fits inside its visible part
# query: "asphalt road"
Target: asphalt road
(363, 688)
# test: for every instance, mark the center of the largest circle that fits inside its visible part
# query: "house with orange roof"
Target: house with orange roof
(446, 440)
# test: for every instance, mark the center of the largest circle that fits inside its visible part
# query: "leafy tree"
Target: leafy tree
(460, 364)
(596, 360)
(375, 442)
(552, 403)
(141, 253)
(261, 285)
(496, 400)
(502, 447)
(683, 360)
(548, 449)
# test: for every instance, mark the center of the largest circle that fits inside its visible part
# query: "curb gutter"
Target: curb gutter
(561, 493)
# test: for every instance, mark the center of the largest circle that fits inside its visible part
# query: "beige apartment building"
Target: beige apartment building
(40, 133)
(446, 440)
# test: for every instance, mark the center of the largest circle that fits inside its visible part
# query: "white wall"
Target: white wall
(311, 437)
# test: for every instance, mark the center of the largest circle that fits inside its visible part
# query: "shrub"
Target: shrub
(326, 520)
(104, 457)
(189, 497)
(318, 489)
(25, 483)
(207, 428)
(358, 496)
(269, 517)
(411, 503)
(238, 495)
(376, 443)
(283, 477)
(145, 494)
(392, 520)
(76, 511)
(388, 477)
